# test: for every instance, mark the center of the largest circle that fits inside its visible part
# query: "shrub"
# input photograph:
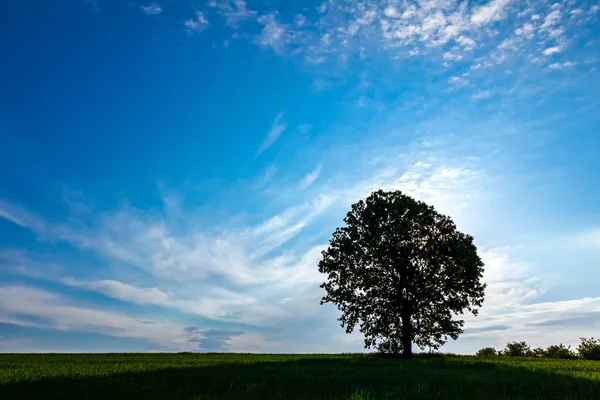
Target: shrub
(487, 352)
(589, 349)
(559, 351)
(538, 352)
(517, 349)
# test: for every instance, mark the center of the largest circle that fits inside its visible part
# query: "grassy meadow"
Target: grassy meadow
(245, 376)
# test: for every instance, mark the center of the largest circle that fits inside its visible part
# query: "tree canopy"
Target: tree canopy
(402, 272)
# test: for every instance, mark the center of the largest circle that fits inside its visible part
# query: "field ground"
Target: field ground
(243, 376)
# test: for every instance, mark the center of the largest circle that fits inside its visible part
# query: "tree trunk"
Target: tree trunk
(406, 331)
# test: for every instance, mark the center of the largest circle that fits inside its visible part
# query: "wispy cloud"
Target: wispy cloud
(550, 23)
(311, 177)
(124, 291)
(481, 95)
(277, 128)
(274, 34)
(527, 30)
(198, 24)
(588, 238)
(304, 128)
(214, 302)
(565, 64)
(492, 11)
(148, 243)
(25, 219)
(233, 11)
(152, 9)
(436, 29)
(57, 312)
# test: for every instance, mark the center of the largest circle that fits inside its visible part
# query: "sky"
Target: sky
(170, 171)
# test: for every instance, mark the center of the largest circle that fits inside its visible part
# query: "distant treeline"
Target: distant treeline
(589, 349)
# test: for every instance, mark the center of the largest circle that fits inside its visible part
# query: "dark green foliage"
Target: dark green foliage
(561, 351)
(589, 349)
(291, 377)
(517, 349)
(401, 272)
(487, 352)
(538, 352)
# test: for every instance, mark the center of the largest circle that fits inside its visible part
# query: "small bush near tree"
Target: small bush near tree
(589, 349)
(517, 349)
(487, 352)
(560, 351)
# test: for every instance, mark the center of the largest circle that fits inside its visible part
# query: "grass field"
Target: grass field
(241, 376)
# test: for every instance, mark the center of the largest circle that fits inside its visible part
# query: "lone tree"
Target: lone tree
(401, 271)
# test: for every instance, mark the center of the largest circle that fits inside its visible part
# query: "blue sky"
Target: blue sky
(171, 170)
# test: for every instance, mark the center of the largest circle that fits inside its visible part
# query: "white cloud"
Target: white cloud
(21, 217)
(552, 28)
(566, 64)
(551, 20)
(274, 34)
(551, 50)
(492, 11)
(269, 174)
(510, 283)
(196, 25)
(124, 291)
(452, 190)
(233, 11)
(300, 20)
(366, 18)
(57, 312)
(527, 30)
(481, 95)
(338, 32)
(589, 238)
(452, 57)
(212, 302)
(466, 43)
(392, 12)
(152, 9)
(139, 239)
(311, 177)
(277, 128)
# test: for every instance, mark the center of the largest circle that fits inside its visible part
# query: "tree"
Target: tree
(560, 351)
(487, 352)
(401, 272)
(517, 349)
(537, 352)
(589, 349)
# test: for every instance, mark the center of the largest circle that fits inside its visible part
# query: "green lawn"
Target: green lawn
(240, 376)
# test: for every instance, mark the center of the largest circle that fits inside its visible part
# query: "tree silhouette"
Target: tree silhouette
(401, 272)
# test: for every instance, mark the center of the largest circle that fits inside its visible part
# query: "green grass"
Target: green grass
(242, 376)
